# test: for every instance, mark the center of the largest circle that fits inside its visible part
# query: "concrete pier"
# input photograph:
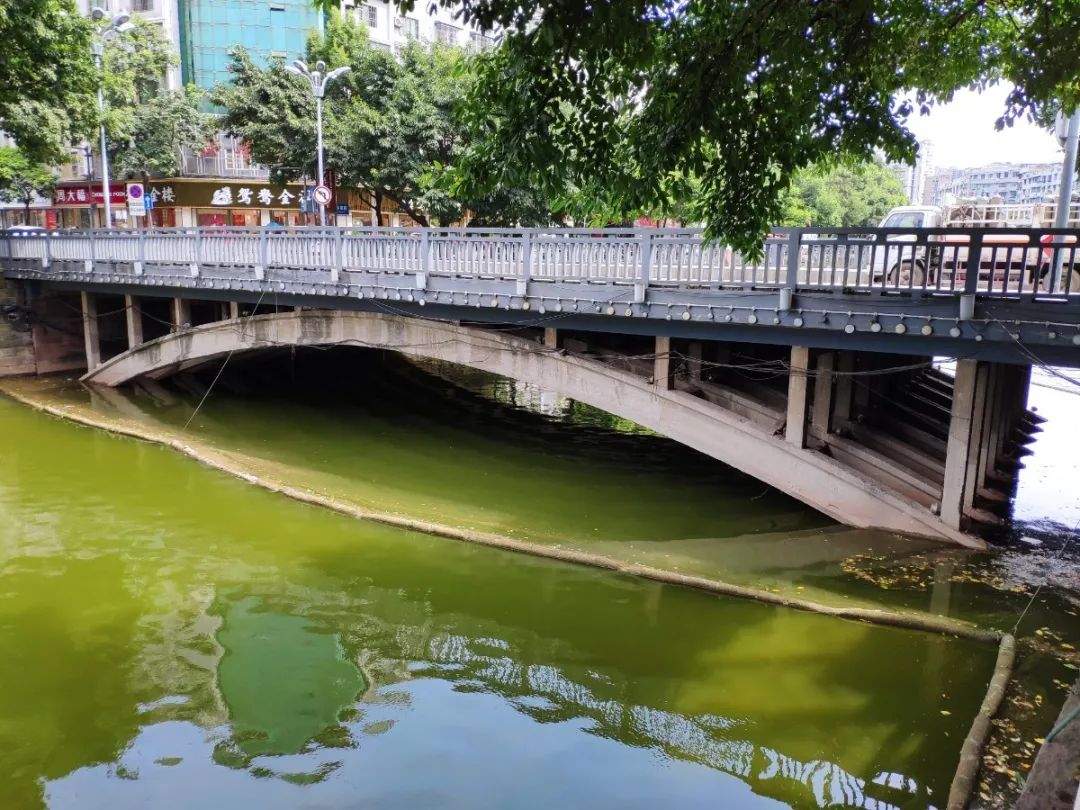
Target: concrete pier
(133, 312)
(91, 334)
(798, 396)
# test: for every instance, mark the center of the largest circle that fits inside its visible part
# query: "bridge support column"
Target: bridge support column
(1016, 398)
(966, 423)
(845, 383)
(551, 337)
(91, 337)
(133, 311)
(662, 376)
(695, 353)
(823, 392)
(234, 311)
(995, 417)
(798, 396)
(181, 313)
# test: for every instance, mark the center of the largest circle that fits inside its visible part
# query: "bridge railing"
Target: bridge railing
(1033, 263)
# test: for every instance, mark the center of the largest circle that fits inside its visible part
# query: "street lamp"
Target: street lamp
(119, 24)
(318, 79)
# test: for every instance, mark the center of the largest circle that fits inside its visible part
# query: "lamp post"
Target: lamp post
(318, 79)
(119, 24)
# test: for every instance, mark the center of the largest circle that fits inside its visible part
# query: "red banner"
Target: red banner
(80, 195)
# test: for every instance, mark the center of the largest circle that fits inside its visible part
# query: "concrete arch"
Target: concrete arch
(809, 476)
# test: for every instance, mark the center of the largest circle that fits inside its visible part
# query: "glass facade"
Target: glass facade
(210, 28)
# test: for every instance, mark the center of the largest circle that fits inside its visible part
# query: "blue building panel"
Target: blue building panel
(210, 28)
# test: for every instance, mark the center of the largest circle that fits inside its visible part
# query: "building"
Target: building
(912, 177)
(1041, 183)
(389, 28)
(1014, 183)
(209, 29)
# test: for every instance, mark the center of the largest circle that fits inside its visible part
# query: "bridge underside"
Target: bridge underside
(872, 440)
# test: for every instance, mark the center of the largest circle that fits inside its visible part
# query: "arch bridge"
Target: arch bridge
(808, 367)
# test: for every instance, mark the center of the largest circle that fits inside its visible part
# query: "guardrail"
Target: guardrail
(1030, 263)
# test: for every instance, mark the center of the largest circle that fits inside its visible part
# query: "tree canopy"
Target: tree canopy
(47, 87)
(148, 126)
(22, 179)
(846, 195)
(616, 99)
(392, 126)
(152, 142)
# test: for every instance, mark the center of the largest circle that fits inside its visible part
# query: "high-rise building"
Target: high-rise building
(209, 29)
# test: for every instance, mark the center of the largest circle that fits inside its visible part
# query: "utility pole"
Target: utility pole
(1068, 170)
(119, 24)
(318, 79)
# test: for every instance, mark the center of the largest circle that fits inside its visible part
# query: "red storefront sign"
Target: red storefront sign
(80, 195)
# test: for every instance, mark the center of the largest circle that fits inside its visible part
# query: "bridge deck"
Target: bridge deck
(1007, 294)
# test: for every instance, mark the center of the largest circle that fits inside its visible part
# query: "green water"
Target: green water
(172, 637)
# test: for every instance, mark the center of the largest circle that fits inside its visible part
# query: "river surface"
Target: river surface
(174, 637)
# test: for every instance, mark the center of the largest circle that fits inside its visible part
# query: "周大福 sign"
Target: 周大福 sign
(81, 194)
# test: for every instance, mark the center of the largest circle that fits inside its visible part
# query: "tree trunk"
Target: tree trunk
(377, 196)
(26, 210)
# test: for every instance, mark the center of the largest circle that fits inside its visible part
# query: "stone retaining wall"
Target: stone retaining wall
(16, 346)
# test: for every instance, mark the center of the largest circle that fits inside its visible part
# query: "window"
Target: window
(142, 5)
(911, 219)
(446, 34)
(479, 42)
(369, 15)
(410, 27)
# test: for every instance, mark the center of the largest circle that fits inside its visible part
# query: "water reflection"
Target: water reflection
(182, 635)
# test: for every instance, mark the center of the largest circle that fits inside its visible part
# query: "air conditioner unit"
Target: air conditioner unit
(399, 22)
(349, 4)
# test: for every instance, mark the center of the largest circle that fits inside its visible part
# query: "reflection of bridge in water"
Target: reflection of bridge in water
(555, 674)
(808, 369)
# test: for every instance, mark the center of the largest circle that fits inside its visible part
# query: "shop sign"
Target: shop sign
(223, 195)
(83, 195)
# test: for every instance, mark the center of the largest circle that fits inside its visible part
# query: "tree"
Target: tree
(22, 179)
(615, 98)
(392, 126)
(133, 71)
(47, 88)
(845, 195)
(163, 127)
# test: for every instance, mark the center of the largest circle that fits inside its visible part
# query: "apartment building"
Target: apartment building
(1018, 183)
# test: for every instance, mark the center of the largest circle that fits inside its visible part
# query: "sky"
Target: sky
(963, 133)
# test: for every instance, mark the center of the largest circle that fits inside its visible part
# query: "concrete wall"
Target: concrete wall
(16, 345)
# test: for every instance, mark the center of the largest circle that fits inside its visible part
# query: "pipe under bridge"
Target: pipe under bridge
(808, 366)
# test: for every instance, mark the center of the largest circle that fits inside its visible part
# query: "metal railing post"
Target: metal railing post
(794, 246)
(46, 257)
(425, 259)
(645, 270)
(194, 266)
(967, 302)
(141, 260)
(526, 264)
(335, 269)
(264, 253)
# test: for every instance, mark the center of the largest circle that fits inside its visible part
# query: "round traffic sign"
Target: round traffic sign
(322, 195)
